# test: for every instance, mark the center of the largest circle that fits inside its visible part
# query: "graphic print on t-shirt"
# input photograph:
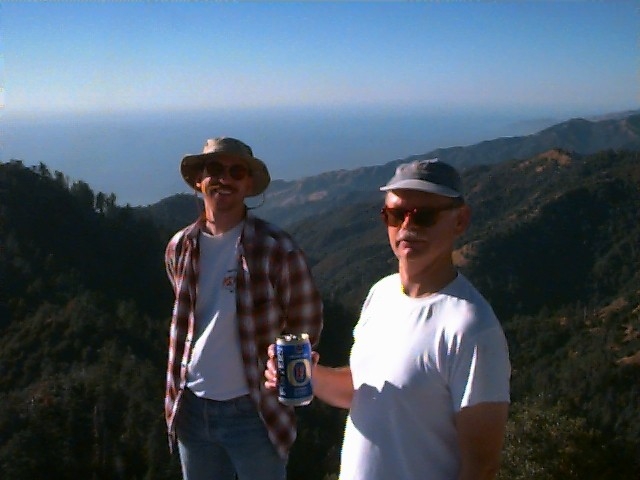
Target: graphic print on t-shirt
(229, 281)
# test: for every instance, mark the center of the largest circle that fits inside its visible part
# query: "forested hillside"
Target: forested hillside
(85, 304)
(83, 333)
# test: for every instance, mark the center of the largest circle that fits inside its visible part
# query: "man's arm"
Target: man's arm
(333, 385)
(171, 254)
(299, 297)
(170, 267)
(481, 431)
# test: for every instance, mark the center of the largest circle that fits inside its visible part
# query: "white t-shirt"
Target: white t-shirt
(415, 363)
(216, 370)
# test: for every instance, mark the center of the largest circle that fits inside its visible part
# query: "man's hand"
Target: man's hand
(271, 369)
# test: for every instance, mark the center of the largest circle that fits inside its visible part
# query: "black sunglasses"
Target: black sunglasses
(237, 171)
(420, 217)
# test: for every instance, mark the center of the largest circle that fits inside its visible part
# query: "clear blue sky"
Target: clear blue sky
(108, 57)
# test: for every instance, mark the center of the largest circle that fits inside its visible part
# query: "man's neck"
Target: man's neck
(219, 223)
(427, 281)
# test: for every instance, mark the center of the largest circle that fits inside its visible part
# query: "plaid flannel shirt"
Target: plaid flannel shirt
(275, 293)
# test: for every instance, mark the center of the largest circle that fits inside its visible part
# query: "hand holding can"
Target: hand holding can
(293, 362)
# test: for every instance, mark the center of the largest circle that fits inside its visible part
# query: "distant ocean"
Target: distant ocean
(136, 156)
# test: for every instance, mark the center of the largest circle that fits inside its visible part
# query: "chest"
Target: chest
(396, 344)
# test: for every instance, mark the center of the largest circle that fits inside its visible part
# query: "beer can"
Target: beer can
(293, 356)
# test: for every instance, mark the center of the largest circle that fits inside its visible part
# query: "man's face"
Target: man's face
(425, 236)
(225, 182)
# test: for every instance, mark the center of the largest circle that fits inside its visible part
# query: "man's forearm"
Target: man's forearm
(333, 385)
(481, 435)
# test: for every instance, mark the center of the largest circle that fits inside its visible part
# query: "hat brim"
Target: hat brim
(191, 167)
(422, 186)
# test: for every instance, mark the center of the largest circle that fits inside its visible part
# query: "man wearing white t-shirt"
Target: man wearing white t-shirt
(427, 386)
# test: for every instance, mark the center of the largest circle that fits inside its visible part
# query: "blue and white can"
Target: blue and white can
(293, 356)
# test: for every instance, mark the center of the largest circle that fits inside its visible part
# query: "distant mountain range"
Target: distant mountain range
(289, 201)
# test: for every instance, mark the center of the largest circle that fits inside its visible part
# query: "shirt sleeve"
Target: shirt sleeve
(170, 259)
(481, 370)
(299, 297)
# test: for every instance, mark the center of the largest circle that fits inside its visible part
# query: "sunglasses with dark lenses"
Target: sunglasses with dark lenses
(420, 217)
(237, 171)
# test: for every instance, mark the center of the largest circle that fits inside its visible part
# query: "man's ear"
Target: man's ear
(463, 219)
(198, 183)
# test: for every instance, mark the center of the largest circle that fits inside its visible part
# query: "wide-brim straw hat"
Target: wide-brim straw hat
(191, 166)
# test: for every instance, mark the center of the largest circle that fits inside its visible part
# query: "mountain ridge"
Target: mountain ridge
(289, 201)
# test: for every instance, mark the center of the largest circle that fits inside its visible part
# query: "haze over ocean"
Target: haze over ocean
(105, 92)
(136, 155)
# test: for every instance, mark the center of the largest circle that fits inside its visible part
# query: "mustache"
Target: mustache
(407, 235)
(219, 186)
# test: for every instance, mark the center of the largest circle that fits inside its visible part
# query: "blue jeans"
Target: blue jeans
(218, 440)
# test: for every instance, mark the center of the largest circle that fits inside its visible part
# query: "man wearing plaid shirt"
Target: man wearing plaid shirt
(239, 282)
